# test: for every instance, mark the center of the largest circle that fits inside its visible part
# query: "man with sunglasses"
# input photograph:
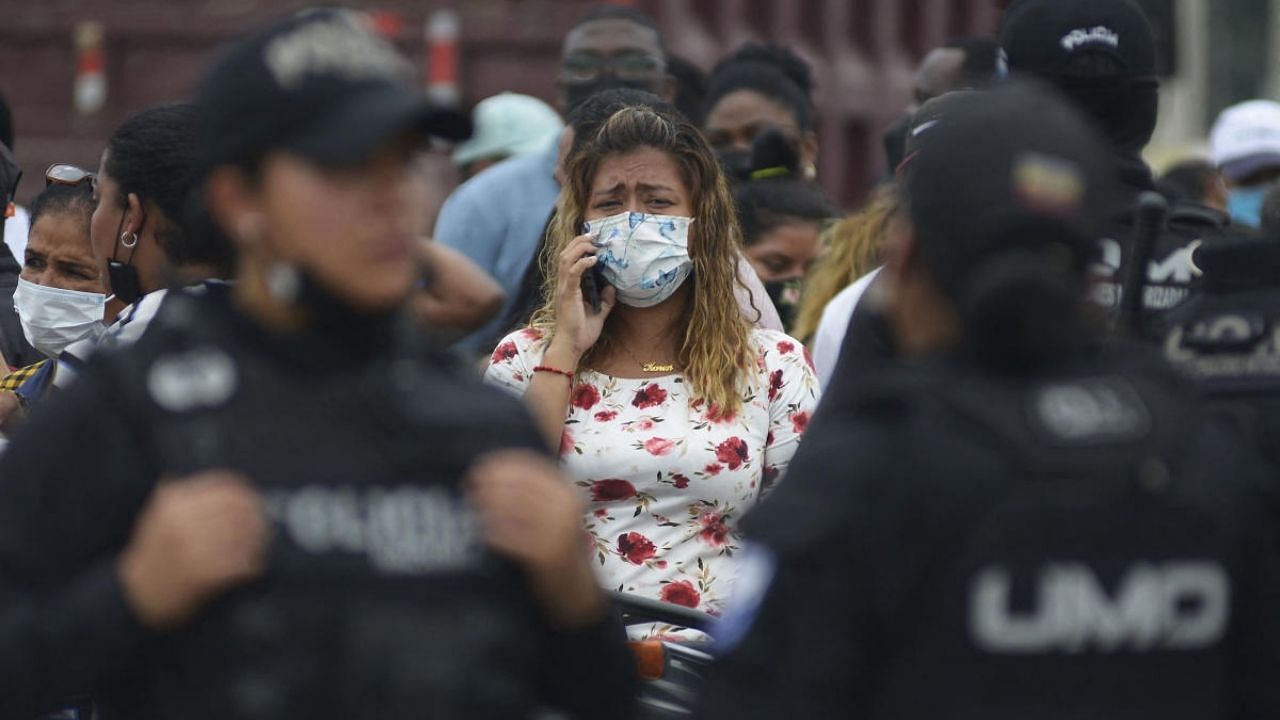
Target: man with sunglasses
(496, 218)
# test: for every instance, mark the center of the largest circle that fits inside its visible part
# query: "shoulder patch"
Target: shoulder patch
(202, 377)
(1231, 346)
(1090, 411)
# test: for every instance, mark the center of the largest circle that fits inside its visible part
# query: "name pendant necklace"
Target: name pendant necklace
(649, 367)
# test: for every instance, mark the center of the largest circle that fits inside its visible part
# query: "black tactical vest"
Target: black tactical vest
(379, 600)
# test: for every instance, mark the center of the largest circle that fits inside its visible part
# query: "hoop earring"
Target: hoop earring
(128, 240)
(284, 282)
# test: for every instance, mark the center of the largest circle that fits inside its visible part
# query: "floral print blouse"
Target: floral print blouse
(666, 476)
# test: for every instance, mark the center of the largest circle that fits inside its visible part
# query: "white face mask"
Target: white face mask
(646, 257)
(53, 318)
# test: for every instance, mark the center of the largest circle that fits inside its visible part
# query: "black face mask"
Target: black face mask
(895, 142)
(576, 93)
(735, 163)
(123, 276)
(1125, 110)
(785, 295)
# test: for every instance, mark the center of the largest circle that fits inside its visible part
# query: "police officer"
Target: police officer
(280, 503)
(1226, 336)
(1009, 525)
(1101, 55)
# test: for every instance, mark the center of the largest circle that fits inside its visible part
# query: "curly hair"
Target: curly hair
(853, 250)
(715, 350)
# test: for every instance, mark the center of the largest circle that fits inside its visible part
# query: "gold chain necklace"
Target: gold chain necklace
(649, 367)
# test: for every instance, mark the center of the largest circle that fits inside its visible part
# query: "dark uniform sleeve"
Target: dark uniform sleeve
(590, 672)
(867, 348)
(71, 483)
(808, 651)
(1256, 656)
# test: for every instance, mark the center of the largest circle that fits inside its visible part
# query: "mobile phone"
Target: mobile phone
(592, 280)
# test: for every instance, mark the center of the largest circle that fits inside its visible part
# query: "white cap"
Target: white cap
(508, 124)
(1246, 138)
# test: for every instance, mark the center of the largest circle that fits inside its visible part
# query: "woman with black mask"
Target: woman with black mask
(142, 227)
(782, 219)
(759, 88)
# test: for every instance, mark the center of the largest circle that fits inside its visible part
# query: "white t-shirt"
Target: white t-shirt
(829, 336)
(15, 233)
(130, 324)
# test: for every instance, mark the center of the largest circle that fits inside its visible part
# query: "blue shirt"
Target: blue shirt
(496, 219)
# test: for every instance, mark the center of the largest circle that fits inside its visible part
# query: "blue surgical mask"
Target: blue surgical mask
(1245, 205)
(645, 257)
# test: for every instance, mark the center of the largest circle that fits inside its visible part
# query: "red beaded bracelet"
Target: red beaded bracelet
(557, 371)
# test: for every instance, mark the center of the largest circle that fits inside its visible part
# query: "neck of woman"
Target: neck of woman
(651, 335)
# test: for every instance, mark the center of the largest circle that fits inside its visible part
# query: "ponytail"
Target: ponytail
(1022, 310)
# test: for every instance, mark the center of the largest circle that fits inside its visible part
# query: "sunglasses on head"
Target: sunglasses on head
(61, 174)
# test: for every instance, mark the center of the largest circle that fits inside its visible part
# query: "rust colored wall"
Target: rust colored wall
(863, 53)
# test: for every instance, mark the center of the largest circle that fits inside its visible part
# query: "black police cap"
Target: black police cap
(1041, 36)
(1015, 165)
(320, 84)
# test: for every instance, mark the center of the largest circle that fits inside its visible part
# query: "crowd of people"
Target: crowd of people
(1001, 442)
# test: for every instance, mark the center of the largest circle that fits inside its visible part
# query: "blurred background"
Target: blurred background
(73, 69)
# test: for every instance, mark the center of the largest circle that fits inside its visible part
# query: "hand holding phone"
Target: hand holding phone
(592, 281)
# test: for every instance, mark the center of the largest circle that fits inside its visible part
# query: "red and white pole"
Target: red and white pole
(441, 58)
(90, 91)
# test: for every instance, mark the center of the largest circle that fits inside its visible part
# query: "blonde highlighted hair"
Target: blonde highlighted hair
(853, 250)
(715, 346)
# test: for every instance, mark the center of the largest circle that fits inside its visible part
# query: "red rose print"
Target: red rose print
(785, 347)
(809, 361)
(662, 564)
(645, 423)
(680, 481)
(649, 395)
(717, 414)
(800, 421)
(658, 446)
(566, 442)
(601, 512)
(712, 469)
(584, 396)
(714, 532)
(768, 439)
(606, 415)
(612, 490)
(775, 384)
(635, 547)
(504, 352)
(732, 452)
(531, 334)
(681, 593)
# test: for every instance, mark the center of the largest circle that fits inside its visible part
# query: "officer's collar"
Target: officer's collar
(1191, 213)
(1134, 173)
